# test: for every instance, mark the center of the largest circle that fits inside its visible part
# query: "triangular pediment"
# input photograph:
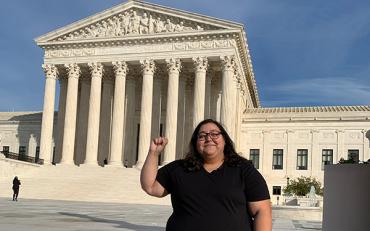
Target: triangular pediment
(136, 18)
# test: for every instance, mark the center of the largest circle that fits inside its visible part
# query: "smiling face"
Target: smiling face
(210, 142)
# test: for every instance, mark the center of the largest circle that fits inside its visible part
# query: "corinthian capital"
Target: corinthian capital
(200, 63)
(73, 70)
(50, 70)
(148, 66)
(96, 69)
(173, 65)
(120, 68)
(228, 63)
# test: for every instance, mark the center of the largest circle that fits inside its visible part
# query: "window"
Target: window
(277, 159)
(5, 150)
(254, 156)
(37, 153)
(327, 157)
(22, 150)
(354, 155)
(302, 159)
(276, 190)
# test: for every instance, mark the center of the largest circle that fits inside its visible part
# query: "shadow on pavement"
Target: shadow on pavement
(121, 224)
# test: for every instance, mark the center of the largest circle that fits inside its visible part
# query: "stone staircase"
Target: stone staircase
(84, 183)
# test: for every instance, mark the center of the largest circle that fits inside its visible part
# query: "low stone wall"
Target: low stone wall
(297, 213)
(11, 168)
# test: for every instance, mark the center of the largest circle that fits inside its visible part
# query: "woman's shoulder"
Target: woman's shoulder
(246, 166)
(174, 164)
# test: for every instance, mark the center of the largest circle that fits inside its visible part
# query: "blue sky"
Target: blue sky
(304, 52)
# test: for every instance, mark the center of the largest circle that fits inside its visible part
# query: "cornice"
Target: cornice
(248, 67)
(318, 109)
(306, 119)
(141, 39)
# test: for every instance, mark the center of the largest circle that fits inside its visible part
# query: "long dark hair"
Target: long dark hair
(193, 161)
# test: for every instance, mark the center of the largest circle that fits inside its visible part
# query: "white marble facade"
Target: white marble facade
(139, 70)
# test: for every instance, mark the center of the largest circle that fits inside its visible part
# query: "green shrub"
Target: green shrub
(302, 185)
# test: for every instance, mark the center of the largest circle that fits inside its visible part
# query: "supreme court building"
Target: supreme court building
(140, 70)
(137, 71)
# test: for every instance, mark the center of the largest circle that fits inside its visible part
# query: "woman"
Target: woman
(213, 188)
(16, 183)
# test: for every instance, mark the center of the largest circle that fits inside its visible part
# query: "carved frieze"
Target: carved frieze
(303, 135)
(137, 48)
(354, 136)
(70, 52)
(328, 135)
(134, 22)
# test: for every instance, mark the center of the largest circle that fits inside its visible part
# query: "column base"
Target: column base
(66, 162)
(114, 164)
(90, 164)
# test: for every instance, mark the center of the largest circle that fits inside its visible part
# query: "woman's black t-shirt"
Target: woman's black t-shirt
(216, 201)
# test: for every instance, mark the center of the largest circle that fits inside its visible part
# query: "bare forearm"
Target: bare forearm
(263, 221)
(149, 172)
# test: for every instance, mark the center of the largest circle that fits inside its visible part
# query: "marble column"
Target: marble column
(148, 67)
(228, 116)
(130, 138)
(82, 119)
(181, 143)
(188, 109)
(46, 150)
(69, 130)
(173, 67)
(208, 94)
(158, 98)
(216, 97)
(61, 114)
(238, 111)
(120, 70)
(200, 64)
(105, 119)
(92, 141)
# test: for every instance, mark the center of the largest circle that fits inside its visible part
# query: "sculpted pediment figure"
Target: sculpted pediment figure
(136, 18)
(133, 22)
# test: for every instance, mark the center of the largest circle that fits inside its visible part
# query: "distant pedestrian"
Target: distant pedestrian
(16, 183)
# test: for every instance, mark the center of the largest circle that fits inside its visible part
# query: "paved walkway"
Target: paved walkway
(51, 215)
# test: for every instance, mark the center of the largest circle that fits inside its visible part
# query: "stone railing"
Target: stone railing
(303, 201)
(17, 156)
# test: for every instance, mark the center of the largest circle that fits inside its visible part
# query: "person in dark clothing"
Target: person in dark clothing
(16, 183)
(212, 188)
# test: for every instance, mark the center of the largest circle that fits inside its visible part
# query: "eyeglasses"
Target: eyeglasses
(213, 135)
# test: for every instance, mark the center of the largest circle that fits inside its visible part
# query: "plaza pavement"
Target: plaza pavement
(57, 215)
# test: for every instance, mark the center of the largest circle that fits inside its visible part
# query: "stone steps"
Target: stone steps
(85, 183)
